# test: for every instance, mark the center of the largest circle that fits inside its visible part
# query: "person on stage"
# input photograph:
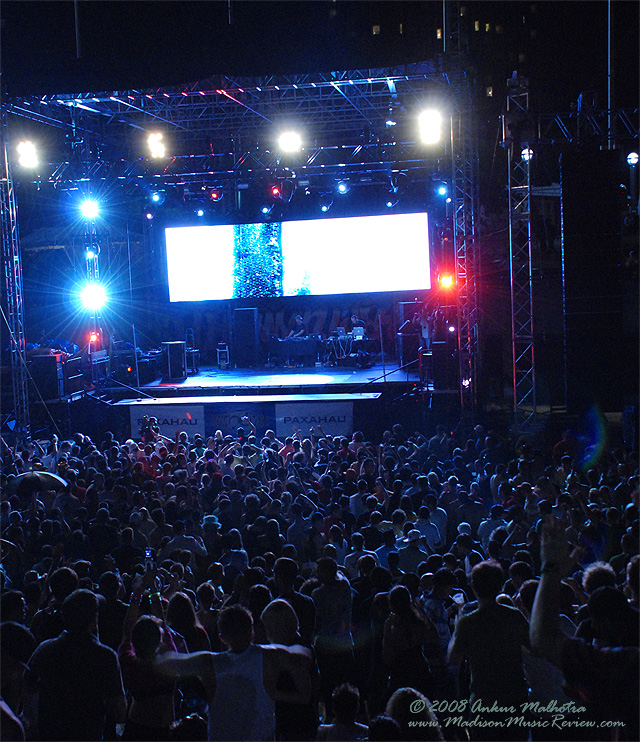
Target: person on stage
(299, 329)
(356, 321)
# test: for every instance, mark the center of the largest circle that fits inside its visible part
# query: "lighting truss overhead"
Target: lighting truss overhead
(89, 209)
(430, 122)
(27, 155)
(290, 141)
(156, 146)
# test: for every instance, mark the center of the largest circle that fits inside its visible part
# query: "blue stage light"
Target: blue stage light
(89, 209)
(93, 296)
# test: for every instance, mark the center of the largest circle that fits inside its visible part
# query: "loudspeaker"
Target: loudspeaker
(445, 365)
(408, 349)
(174, 360)
(597, 348)
(48, 376)
(73, 376)
(245, 343)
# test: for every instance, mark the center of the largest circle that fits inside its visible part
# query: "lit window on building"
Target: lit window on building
(476, 25)
(375, 30)
(489, 92)
(439, 33)
(401, 29)
(463, 10)
(487, 27)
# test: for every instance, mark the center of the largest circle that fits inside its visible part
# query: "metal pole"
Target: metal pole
(609, 96)
(76, 15)
(384, 370)
(135, 353)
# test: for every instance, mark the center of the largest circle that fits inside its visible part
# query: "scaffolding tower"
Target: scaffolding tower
(13, 314)
(517, 133)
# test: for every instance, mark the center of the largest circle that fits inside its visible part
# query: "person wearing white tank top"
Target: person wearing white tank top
(242, 682)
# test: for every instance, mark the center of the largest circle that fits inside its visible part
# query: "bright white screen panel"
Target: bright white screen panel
(321, 256)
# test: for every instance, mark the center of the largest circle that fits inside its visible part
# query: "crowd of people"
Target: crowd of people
(318, 587)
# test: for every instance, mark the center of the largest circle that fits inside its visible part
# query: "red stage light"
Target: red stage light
(93, 337)
(215, 195)
(446, 281)
(275, 191)
(129, 369)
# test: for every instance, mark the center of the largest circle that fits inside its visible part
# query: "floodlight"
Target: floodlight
(526, 154)
(156, 146)
(442, 189)
(343, 187)
(89, 209)
(429, 122)
(90, 254)
(392, 199)
(199, 212)
(290, 141)
(632, 158)
(267, 208)
(94, 337)
(326, 202)
(445, 280)
(158, 197)
(27, 155)
(93, 296)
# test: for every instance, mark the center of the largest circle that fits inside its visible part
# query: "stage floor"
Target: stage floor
(357, 379)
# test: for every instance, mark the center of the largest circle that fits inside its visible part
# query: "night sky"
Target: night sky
(150, 44)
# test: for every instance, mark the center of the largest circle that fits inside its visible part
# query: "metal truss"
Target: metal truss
(14, 317)
(227, 127)
(583, 127)
(515, 132)
(464, 168)
(222, 132)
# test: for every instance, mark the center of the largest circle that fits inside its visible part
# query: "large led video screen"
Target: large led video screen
(356, 255)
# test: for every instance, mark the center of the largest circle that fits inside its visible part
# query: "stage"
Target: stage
(213, 380)
(339, 399)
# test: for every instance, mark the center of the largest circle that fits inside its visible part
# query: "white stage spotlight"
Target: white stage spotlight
(429, 122)
(27, 155)
(290, 141)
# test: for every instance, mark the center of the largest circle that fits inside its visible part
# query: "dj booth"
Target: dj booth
(295, 351)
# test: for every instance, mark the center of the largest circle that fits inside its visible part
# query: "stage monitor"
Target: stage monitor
(356, 255)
